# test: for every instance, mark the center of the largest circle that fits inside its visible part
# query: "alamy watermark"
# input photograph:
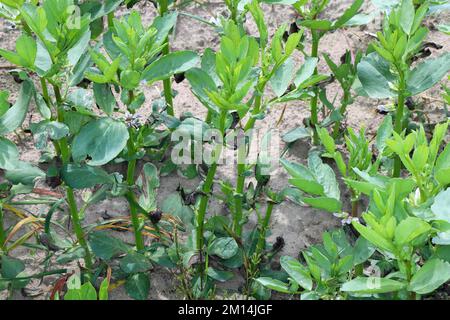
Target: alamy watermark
(209, 146)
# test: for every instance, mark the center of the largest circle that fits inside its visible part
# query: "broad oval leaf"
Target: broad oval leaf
(274, 284)
(297, 272)
(105, 246)
(175, 62)
(14, 117)
(9, 154)
(409, 229)
(371, 285)
(100, 141)
(432, 275)
(375, 77)
(83, 176)
(428, 73)
(138, 286)
(224, 248)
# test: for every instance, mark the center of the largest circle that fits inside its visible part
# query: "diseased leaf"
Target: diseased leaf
(225, 248)
(99, 141)
(175, 62)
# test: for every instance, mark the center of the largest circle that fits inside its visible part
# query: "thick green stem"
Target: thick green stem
(2, 228)
(256, 110)
(342, 110)
(242, 151)
(355, 204)
(206, 190)
(130, 181)
(134, 214)
(111, 20)
(167, 83)
(315, 99)
(398, 127)
(78, 228)
(65, 156)
(264, 227)
(45, 91)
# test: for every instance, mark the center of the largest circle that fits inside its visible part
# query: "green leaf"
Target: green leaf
(329, 204)
(374, 237)
(323, 25)
(24, 173)
(362, 251)
(324, 175)
(103, 290)
(104, 97)
(100, 141)
(296, 134)
(219, 275)
(384, 132)
(26, 48)
(138, 286)
(105, 246)
(432, 275)
(282, 77)
(130, 79)
(407, 14)
(311, 187)
(148, 182)
(428, 73)
(285, 2)
(14, 117)
(441, 206)
(83, 176)
(4, 103)
(174, 205)
(163, 25)
(88, 292)
(409, 229)
(258, 16)
(135, 262)
(175, 62)
(375, 77)
(201, 83)
(9, 154)
(297, 272)
(297, 171)
(372, 285)
(442, 167)
(79, 48)
(274, 284)
(11, 267)
(349, 13)
(306, 70)
(45, 130)
(224, 248)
